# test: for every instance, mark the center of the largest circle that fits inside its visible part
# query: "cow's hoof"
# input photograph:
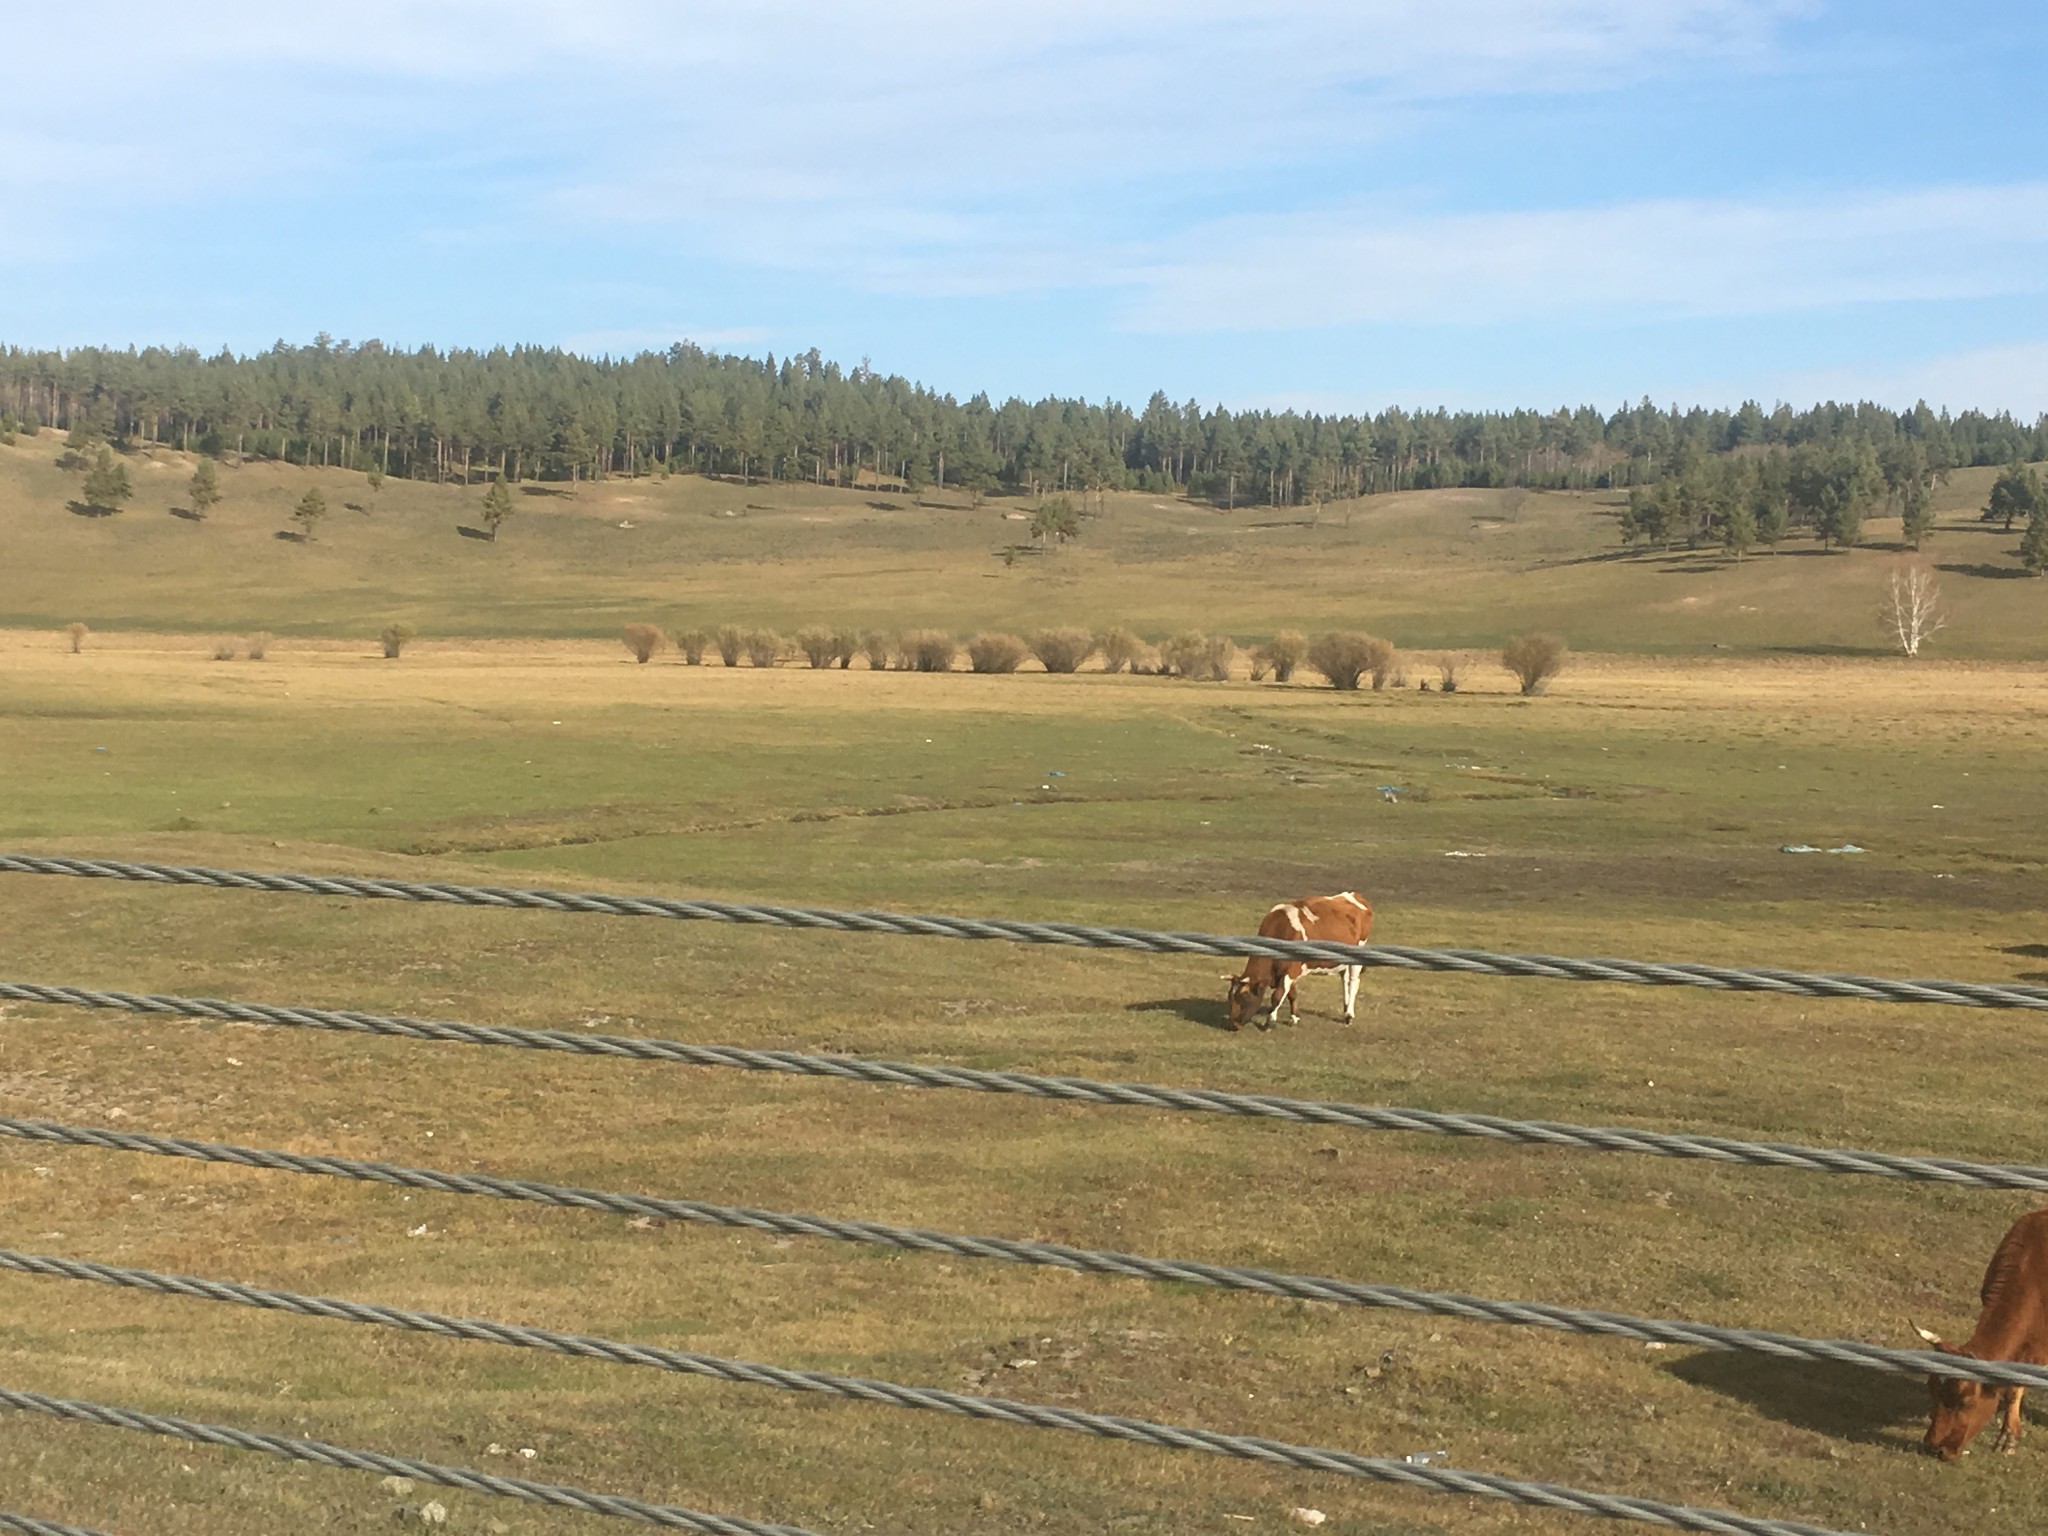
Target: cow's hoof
(1345, 1020)
(1265, 1025)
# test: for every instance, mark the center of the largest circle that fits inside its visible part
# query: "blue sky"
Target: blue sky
(1333, 204)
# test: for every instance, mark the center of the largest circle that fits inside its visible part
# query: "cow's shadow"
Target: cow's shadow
(1209, 1012)
(1846, 1402)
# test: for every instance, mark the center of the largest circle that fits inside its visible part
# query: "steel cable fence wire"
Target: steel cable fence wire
(1072, 935)
(902, 1074)
(29, 1525)
(1172, 1437)
(320, 1453)
(1263, 1282)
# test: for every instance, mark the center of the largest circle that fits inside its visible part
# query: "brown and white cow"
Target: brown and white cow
(1267, 986)
(2012, 1326)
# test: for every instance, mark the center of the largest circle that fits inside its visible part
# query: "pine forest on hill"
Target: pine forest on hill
(525, 413)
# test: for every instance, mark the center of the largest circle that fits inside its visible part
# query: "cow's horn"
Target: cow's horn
(1926, 1335)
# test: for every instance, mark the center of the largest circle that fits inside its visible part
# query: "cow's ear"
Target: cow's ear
(1926, 1335)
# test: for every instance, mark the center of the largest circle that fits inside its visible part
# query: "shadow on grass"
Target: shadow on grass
(1989, 572)
(291, 537)
(473, 533)
(1844, 1401)
(1823, 649)
(188, 514)
(87, 509)
(1209, 1012)
(2027, 951)
(544, 490)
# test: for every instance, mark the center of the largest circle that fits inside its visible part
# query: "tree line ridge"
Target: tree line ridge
(544, 413)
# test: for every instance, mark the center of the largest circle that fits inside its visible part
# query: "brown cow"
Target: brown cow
(1341, 919)
(2012, 1326)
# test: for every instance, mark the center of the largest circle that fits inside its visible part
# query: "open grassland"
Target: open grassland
(1636, 811)
(1439, 568)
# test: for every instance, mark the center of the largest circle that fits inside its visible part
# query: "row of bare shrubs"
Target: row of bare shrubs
(1345, 659)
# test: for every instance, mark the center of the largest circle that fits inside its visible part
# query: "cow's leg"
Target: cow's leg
(1294, 999)
(2009, 1428)
(1351, 975)
(1283, 998)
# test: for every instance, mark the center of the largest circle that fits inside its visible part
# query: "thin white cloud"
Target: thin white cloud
(907, 141)
(1640, 260)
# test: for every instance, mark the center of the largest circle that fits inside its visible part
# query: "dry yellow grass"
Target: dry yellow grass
(1637, 810)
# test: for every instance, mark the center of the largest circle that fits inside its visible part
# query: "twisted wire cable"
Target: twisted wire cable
(29, 1525)
(320, 1453)
(1071, 935)
(1264, 1282)
(1172, 1437)
(902, 1074)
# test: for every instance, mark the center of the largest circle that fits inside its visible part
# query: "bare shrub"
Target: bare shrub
(878, 648)
(1344, 657)
(1061, 650)
(764, 647)
(223, 650)
(643, 640)
(1534, 658)
(1281, 655)
(730, 640)
(258, 645)
(1120, 648)
(692, 643)
(930, 650)
(1192, 654)
(1383, 662)
(395, 638)
(1450, 671)
(845, 645)
(996, 653)
(816, 645)
(77, 634)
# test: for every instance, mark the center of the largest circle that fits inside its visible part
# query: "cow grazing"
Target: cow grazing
(1267, 986)
(2013, 1326)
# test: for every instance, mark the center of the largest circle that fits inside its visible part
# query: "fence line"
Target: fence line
(319, 1452)
(1264, 1282)
(1172, 1437)
(1071, 935)
(1364, 1117)
(28, 1525)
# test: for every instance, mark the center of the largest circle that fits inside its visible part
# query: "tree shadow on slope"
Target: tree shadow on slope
(1988, 572)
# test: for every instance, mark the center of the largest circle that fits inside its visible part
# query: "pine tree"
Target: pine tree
(1738, 527)
(497, 507)
(311, 508)
(204, 490)
(106, 486)
(2034, 544)
(1916, 511)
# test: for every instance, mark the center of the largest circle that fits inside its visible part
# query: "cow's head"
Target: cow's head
(1961, 1408)
(1251, 1000)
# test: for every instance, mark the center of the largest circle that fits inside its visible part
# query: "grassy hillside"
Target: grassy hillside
(1430, 568)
